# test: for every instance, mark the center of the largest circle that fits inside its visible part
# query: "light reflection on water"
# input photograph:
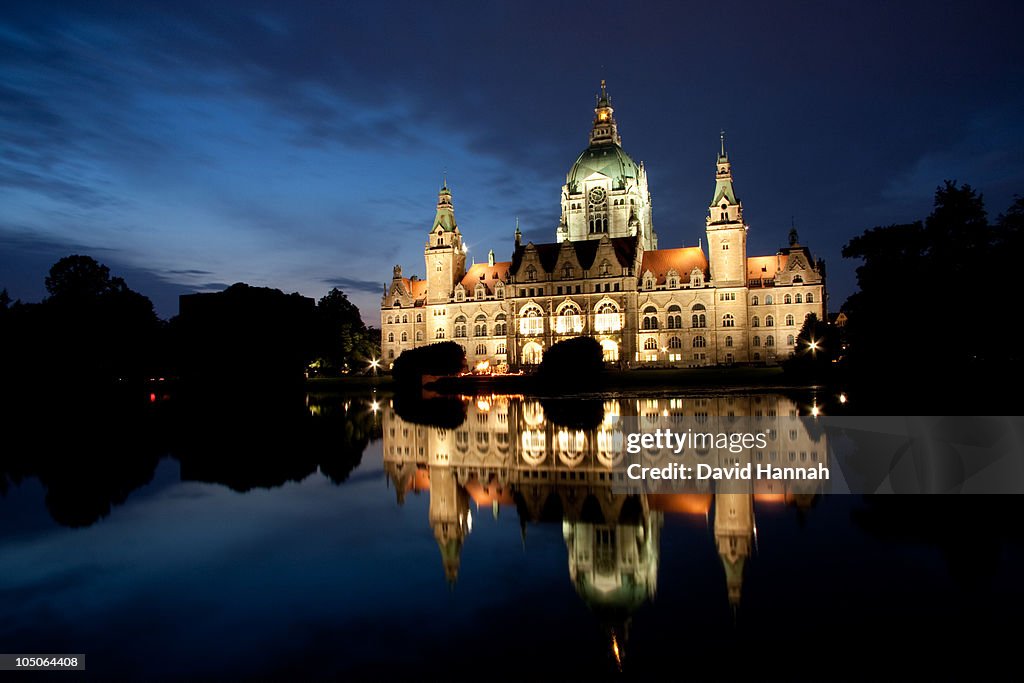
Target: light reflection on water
(440, 550)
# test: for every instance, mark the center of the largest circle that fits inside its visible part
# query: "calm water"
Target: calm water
(347, 537)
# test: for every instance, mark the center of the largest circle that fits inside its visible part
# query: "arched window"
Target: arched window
(567, 272)
(531, 273)
(651, 344)
(480, 292)
(789, 320)
(501, 349)
(481, 349)
(391, 337)
(419, 317)
(700, 342)
(439, 334)
(650, 320)
(390, 320)
(419, 336)
(675, 343)
(405, 336)
(499, 291)
(754, 300)
(769, 340)
(799, 298)
(405, 318)
(391, 353)
(755, 321)
(790, 340)
(728, 342)
(797, 280)
(460, 293)
(699, 320)
(606, 268)
(531, 322)
(769, 321)
(607, 318)
(480, 326)
(757, 356)
(569, 319)
(787, 299)
(756, 341)
(675, 317)
(649, 282)
(500, 326)
(728, 320)
(460, 326)
(810, 298)
(768, 301)
(698, 307)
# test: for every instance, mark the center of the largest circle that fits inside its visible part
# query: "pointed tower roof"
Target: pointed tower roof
(445, 216)
(723, 179)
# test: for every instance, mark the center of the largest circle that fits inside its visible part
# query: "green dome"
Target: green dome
(608, 160)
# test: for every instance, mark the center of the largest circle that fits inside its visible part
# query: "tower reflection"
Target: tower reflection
(553, 467)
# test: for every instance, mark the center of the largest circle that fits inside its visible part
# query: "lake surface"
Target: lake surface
(353, 537)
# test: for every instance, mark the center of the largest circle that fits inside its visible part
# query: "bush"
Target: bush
(576, 363)
(441, 359)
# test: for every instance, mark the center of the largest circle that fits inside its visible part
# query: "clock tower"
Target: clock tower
(605, 191)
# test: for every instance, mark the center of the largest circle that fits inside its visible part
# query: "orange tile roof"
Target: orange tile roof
(759, 267)
(490, 274)
(682, 503)
(484, 496)
(683, 260)
(417, 288)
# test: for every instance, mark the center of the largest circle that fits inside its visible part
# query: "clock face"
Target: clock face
(597, 195)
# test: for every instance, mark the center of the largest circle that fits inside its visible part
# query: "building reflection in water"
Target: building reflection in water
(508, 453)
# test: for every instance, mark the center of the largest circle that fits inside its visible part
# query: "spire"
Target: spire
(519, 235)
(724, 191)
(445, 216)
(605, 130)
(490, 257)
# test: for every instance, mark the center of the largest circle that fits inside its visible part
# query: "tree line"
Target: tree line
(92, 328)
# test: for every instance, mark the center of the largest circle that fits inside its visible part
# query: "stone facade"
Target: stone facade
(606, 278)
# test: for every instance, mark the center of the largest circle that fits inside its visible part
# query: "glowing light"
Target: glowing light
(813, 344)
(482, 367)
(616, 652)
(152, 398)
(375, 406)
(815, 411)
(483, 405)
(842, 398)
(374, 363)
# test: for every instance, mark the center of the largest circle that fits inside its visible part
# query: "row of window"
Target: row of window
(788, 299)
(700, 342)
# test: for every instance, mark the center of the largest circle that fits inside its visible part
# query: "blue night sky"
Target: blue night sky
(190, 145)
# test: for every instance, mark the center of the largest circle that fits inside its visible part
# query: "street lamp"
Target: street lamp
(375, 363)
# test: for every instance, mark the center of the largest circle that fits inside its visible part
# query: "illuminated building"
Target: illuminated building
(605, 277)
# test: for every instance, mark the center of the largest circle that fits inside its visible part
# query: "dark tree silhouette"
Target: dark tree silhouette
(344, 342)
(92, 327)
(577, 362)
(441, 359)
(926, 301)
